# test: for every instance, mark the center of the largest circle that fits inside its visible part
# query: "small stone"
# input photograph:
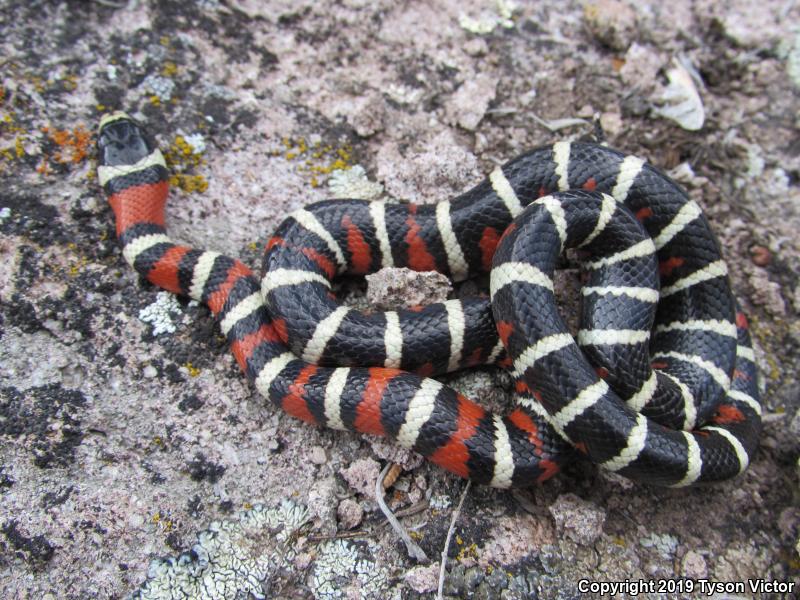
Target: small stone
(741, 22)
(423, 579)
(611, 123)
(789, 523)
(794, 425)
(317, 455)
(368, 115)
(362, 476)
(321, 502)
(350, 513)
(468, 105)
(396, 288)
(767, 293)
(641, 66)
(612, 22)
(580, 521)
(694, 566)
(760, 255)
(390, 451)
(476, 47)
(150, 371)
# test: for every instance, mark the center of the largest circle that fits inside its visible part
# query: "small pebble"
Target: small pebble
(694, 565)
(423, 579)
(760, 255)
(612, 22)
(577, 519)
(350, 513)
(394, 288)
(317, 455)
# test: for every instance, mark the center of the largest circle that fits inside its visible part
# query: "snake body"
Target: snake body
(660, 385)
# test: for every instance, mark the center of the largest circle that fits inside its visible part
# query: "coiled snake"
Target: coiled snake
(660, 385)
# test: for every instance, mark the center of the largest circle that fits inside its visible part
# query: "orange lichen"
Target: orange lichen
(73, 146)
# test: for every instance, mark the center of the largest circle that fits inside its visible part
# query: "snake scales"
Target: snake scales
(660, 384)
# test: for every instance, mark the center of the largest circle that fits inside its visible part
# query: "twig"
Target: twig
(344, 535)
(419, 507)
(554, 125)
(111, 4)
(447, 540)
(413, 549)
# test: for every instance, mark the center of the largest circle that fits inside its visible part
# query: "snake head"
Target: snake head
(121, 141)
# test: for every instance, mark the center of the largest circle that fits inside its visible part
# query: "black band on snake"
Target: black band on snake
(659, 386)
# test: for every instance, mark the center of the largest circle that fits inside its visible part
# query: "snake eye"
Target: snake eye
(122, 143)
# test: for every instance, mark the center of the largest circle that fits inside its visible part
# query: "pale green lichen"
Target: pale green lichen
(489, 20)
(665, 544)
(159, 313)
(161, 87)
(441, 502)
(353, 183)
(339, 566)
(791, 51)
(231, 559)
(197, 142)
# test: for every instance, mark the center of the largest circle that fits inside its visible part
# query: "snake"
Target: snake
(659, 383)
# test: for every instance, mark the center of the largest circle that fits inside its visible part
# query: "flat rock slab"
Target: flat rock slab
(128, 437)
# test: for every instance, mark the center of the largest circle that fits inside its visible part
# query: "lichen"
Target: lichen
(488, 20)
(159, 313)
(340, 565)
(182, 158)
(160, 87)
(441, 502)
(317, 159)
(231, 559)
(12, 138)
(354, 183)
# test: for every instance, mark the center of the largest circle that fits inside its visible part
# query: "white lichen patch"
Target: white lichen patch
(353, 183)
(793, 60)
(162, 87)
(5, 212)
(339, 566)
(441, 502)
(159, 313)
(665, 544)
(403, 94)
(196, 141)
(231, 559)
(488, 20)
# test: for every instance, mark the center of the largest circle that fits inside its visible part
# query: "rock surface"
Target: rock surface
(127, 433)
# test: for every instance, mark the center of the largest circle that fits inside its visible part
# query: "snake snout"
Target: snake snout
(122, 142)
